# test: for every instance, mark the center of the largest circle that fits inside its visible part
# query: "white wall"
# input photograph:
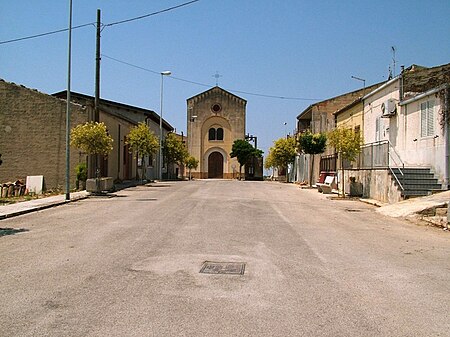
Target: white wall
(416, 150)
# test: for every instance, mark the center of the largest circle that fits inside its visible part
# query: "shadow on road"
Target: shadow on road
(11, 231)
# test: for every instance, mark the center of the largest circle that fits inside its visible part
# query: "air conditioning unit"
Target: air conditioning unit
(388, 108)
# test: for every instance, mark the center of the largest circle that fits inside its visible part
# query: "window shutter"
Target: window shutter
(430, 118)
(377, 129)
(423, 119)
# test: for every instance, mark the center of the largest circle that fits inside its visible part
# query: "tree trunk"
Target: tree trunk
(144, 169)
(343, 186)
(311, 170)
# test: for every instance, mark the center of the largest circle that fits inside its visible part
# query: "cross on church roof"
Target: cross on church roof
(217, 76)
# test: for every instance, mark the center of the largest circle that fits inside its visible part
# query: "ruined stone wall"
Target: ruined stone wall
(33, 135)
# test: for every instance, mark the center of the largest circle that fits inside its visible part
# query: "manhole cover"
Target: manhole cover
(234, 268)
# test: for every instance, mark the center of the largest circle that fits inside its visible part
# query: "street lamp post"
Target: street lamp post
(164, 73)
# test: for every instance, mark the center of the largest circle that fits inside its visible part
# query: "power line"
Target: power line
(48, 33)
(208, 85)
(151, 14)
(105, 25)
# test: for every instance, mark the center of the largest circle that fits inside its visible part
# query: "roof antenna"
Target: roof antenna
(394, 61)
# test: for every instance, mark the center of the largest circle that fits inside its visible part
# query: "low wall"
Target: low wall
(377, 184)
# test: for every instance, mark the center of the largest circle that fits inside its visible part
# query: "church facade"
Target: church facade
(215, 119)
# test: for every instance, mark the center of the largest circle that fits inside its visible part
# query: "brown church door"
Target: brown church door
(215, 165)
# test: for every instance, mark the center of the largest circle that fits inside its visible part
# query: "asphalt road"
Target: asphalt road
(129, 266)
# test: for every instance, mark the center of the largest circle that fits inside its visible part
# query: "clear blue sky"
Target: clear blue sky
(303, 49)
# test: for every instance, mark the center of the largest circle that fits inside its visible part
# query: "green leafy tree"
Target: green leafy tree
(191, 163)
(142, 143)
(242, 150)
(91, 138)
(174, 150)
(283, 153)
(312, 143)
(347, 144)
(269, 162)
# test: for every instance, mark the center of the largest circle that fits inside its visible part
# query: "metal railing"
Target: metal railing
(379, 155)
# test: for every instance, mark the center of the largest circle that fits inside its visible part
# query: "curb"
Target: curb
(40, 207)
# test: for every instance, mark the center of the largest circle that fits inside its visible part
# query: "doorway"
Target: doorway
(215, 165)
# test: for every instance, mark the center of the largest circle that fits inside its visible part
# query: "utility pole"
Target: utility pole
(93, 160)
(69, 66)
(97, 69)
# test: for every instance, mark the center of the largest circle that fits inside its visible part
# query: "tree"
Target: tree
(91, 138)
(269, 162)
(191, 163)
(312, 143)
(174, 150)
(347, 144)
(143, 143)
(283, 153)
(243, 151)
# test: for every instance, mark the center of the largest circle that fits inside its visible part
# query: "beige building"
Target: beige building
(215, 119)
(33, 135)
(119, 118)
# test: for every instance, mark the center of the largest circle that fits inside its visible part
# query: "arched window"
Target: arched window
(219, 134)
(212, 134)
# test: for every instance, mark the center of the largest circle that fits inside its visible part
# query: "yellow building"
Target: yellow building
(215, 119)
(351, 116)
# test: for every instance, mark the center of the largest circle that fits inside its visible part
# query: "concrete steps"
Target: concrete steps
(417, 182)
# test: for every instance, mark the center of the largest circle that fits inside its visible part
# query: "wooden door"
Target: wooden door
(215, 165)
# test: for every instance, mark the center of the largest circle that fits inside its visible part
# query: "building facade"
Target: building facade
(119, 118)
(215, 119)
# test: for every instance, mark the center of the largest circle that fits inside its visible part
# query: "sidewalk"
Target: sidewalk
(412, 206)
(23, 207)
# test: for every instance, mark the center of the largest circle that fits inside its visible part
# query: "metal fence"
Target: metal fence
(372, 156)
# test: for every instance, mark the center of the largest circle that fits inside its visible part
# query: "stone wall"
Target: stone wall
(377, 184)
(33, 135)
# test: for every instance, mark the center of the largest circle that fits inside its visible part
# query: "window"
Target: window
(215, 134)
(219, 134)
(212, 134)
(427, 119)
(377, 129)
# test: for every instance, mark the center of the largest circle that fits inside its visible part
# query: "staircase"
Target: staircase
(415, 182)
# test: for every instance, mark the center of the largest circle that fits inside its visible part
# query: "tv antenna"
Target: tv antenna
(394, 61)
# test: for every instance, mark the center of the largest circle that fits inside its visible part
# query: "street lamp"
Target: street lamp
(362, 80)
(164, 73)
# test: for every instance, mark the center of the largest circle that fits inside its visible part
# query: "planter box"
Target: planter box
(105, 184)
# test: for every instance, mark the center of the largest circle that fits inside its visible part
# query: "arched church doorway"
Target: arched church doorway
(215, 165)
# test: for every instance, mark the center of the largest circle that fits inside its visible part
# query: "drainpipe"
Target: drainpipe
(447, 137)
